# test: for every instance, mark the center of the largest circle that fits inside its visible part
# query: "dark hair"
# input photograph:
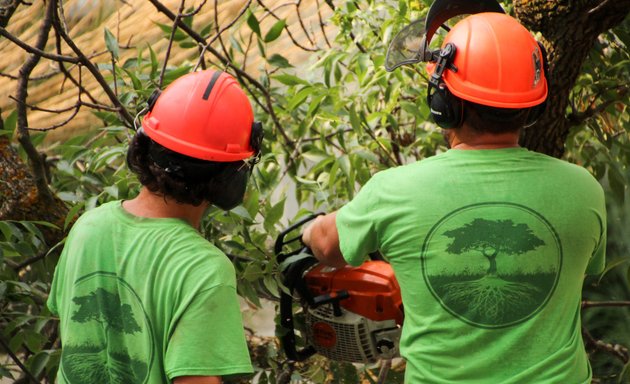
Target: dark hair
(483, 118)
(186, 179)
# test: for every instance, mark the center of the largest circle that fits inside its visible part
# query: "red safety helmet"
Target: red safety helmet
(497, 63)
(205, 115)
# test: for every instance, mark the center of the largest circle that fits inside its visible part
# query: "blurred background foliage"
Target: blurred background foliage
(333, 117)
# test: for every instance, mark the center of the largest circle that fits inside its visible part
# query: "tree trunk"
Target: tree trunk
(569, 29)
(19, 197)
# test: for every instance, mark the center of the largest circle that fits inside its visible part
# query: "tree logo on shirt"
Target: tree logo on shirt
(492, 265)
(110, 339)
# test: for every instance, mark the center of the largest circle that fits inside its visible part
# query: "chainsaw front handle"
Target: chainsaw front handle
(281, 242)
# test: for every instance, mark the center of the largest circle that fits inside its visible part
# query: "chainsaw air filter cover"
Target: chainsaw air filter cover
(350, 337)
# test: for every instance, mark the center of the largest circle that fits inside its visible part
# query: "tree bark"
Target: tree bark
(20, 198)
(569, 29)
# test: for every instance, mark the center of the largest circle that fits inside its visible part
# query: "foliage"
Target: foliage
(337, 119)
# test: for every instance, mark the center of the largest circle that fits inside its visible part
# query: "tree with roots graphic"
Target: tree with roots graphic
(491, 238)
(105, 308)
(494, 298)
(104, 363)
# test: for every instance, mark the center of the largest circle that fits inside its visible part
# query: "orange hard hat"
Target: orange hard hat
(498, 63)
(205, 115)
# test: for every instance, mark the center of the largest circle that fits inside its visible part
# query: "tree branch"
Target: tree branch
(37, 50)
(170, 41)
(17, 361)
(592, 304)
(36, 160)
(126, 116)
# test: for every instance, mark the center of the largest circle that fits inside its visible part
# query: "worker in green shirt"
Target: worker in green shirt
(489, 242)
(141, 295)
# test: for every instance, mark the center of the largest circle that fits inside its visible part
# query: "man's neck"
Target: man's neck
(466, 138)
(152, 205)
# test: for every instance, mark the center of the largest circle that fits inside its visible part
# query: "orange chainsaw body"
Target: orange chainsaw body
(373, 290)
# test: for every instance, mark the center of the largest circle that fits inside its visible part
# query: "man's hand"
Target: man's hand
(323, 239)
(197, 380)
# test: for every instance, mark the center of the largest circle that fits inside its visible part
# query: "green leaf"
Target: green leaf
(168, 30)
(275, 31)
(274, 214)
(10, 123)
(279, 61)
(111, 43)
(7, 230)
(38, 362)
(188, 44)
(154, 62)
(287, 79)
(271, 285)
(242, 212)
(6, 373)
(299, 98)
(611, 265)
(253, 23)
(206, 30)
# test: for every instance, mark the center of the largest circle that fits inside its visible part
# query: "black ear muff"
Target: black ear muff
(536, 111)
(446, 108)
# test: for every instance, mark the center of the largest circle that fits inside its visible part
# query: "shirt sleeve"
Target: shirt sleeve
(597, 263)
(208, 339)
(356, 226)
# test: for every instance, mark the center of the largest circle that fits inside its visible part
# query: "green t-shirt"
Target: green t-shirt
(143, 301)
(490, 248)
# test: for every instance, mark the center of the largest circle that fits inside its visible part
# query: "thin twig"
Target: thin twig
(297, 10)
(36, 78)
(195, 11)
(170, 42)
(17, 361)
(38, 51)
(592, 304)
(322, 25)
(229, 25)
(616, 350)
(286, 28)
(124, 113)
(219, 37)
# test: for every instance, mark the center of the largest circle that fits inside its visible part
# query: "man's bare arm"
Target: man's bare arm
(323, 239)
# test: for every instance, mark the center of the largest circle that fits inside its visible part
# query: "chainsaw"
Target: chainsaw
(351, 314)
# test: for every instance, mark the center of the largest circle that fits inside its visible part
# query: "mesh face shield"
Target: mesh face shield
(411, 44)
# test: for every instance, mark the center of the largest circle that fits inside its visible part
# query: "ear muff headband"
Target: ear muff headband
(446, 108)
